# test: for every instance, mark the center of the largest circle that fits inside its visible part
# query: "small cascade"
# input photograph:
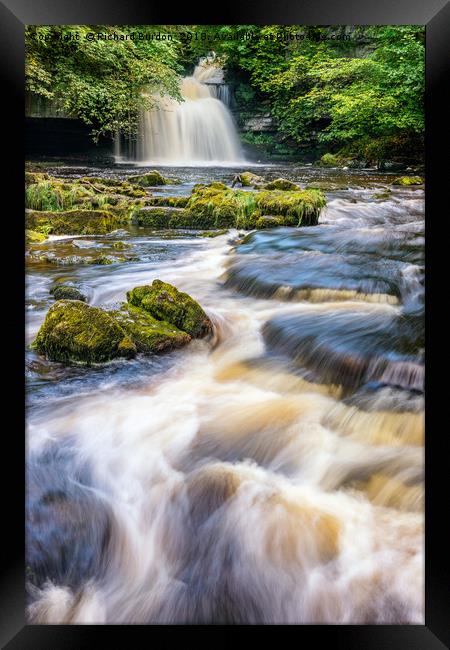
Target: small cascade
(199, 130)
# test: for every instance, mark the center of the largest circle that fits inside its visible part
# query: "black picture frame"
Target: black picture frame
(14, 15)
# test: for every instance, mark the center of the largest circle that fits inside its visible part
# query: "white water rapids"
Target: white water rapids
(236, 491)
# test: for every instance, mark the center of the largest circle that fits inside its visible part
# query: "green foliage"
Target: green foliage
(50, 195)
(363, 94)
(100, 81)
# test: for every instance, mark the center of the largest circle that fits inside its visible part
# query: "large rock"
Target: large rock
(74, 332)
(281, 184)
(408, 180)
(73, 222)
(66, 292)
(164, 302)
(248, 179)
(149, 334)
(156, 318)
(152, 179)
(32, 237)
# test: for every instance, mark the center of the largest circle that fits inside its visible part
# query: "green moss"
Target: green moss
(120, 245)
(35, 177)
(168, 201)
(74, 332)
(330, 160)
(164, 302)
(156, 217)
(104, 260)
(112, 185)
(408, 180)
(215, 207)
(248, 179)
(269, 222)
(382, 196)
(325, 186)
(148, 334)
(152, 178)
(33, 237)
(73, 222)
(64, 292)
(54, 195)
(302, 206)
(213, 233)
(281, 184)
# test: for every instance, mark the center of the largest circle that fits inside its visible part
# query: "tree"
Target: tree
(99, 77)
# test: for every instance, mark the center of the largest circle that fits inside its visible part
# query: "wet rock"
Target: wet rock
(147, 333)
(85, 243)
(269, 222)
(408, 180)
(164, 302)
(120, 233)
(152, 178)
(326, 186)
(33, 237)
(65, 292)
(168, 201)
(74, 332)
(120, 246)
(248, 179)
(155, 319)
(160, 218)
(281, 184)
(72, 222)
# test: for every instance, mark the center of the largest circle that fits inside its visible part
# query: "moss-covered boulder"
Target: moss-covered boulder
(300, 208)
(248, 179)
(164, 302)
(152, 179)
(326, 186)
(33, 237)
(168, 201)
(74, 332)
(269, 222)
(65, 292)
(330, 160)
(112, 186)
(73, 222)
(156, 217)
(408, 180)
(281, 184)
(149, 334)
(120, 245)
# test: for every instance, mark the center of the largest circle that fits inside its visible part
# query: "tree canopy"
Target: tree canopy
(353, 89)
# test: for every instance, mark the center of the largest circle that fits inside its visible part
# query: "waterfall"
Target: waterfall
(199, 130)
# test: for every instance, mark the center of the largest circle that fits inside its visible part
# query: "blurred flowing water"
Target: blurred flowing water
(272, 474)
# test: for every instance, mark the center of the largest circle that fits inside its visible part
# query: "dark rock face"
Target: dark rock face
(64, 292)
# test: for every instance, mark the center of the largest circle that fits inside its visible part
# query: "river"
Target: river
(271, 474)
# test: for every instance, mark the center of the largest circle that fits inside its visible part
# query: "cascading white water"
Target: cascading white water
(198, 130)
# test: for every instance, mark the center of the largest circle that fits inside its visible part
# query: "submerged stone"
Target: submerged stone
(164, 302)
